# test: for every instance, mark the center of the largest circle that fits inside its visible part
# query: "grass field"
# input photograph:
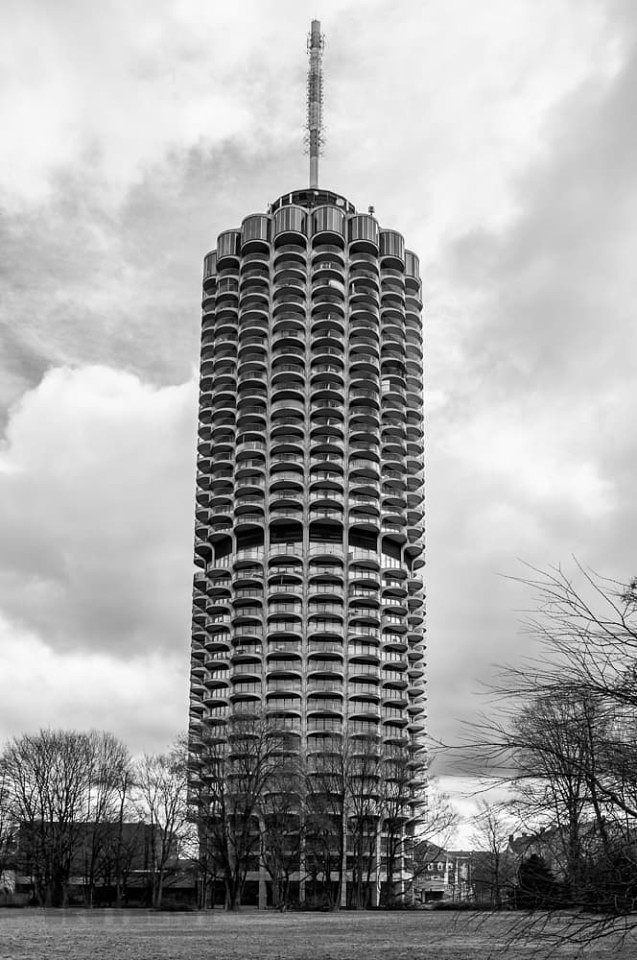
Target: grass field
(135, 935)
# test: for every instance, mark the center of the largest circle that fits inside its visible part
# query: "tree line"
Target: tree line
(71, 805)
(341, 817)
(320, 827)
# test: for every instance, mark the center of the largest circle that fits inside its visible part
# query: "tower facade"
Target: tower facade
(308, 598)
(308, 602)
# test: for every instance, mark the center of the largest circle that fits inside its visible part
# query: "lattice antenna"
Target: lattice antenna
(314, 135)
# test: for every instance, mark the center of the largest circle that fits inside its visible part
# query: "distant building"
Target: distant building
(442, 874)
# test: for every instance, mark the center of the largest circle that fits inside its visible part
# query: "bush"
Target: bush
(537, 887)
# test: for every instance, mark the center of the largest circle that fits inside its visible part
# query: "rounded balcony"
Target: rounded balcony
(318, 727)
(255, 234)
(328, 226)
(279, 705)
(227, 291)
(364, 337)
(327, 412)
(323, 248)
(255, 323)
(363, 698)
(247, 657)
(363, 471)
(248, 574)
(327, 350)
(363, 654)
(289, 307)
(216, 698)
(287, 338)
(250, 496)
(281, 665)
(363, 235)
(253, 345)
(326, 291)
(363, 294)
(319, 666)
(324, 393)
(327, 430)
(364, 512)
(250, 465)
(289, 283)
(327, 271)
(290, 253)
(392, 318)
(292, 268)
(246, 699)
(327, 572)
(288, 381)
(328, 323)
(250, 632)
(287, 442)
(363, 612)
(318, 705)
(326, 455)
(364, 728)
(286, 475)
(362, 374)
(363, 633)
(254, 277)
(289, 227)
(393, 724)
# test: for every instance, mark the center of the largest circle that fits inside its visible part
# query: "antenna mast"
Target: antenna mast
(314, 135)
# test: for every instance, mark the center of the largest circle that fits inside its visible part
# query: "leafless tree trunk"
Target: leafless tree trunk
(236, 774)
(58, 793)
(492, 831)
(161, 790)
(282, 828)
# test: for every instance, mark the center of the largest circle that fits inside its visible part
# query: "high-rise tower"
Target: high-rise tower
(308, 602)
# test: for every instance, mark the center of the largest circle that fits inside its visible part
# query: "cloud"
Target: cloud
(96, 497)
(558, 285)
(533, 448)
(143, 700)
(499, 139)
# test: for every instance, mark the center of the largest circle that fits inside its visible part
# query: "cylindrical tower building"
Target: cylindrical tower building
(308, 597)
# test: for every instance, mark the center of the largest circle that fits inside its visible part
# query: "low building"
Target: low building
(442, 874)
(111, 863)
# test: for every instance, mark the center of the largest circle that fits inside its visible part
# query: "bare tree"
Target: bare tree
(343, 821)
(493, 872)
(403, 816)
(325, 800)
(562, 734)
(109, 773)
(7, 825)
(162, 801)
(364, 809)
(282, 827)
(434, 828)
(58, 793)
(235, 775)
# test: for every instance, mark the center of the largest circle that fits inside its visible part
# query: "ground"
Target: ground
(139, 935)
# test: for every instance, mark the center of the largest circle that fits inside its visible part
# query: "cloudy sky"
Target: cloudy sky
(499, 137)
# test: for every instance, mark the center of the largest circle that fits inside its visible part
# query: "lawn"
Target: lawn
(136, 935)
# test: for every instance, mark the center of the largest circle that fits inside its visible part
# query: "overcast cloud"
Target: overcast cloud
(499, 138)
